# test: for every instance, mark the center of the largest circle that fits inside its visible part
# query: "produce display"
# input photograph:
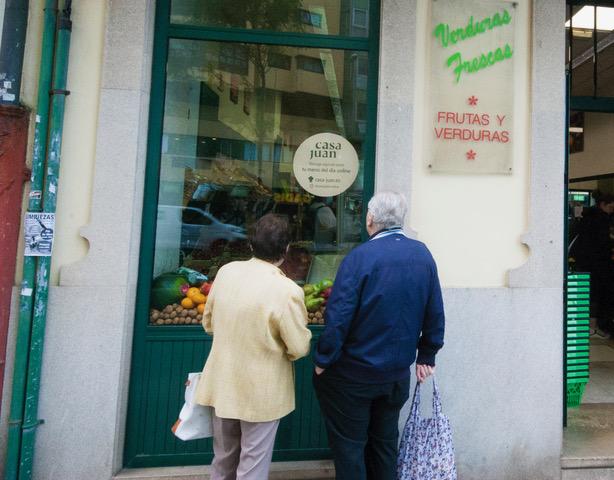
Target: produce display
(174, 314)
(167, 289)
(175, 301)
(316, 296)
(186, 303)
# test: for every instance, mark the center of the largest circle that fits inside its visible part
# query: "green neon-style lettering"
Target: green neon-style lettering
(508, 51)
(478, 63)
(458, 70)
(507, 18)
(446, 35)
(440, 33)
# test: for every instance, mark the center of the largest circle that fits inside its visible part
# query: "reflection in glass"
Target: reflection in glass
(234, 116)
(324, 17)
(582, 49)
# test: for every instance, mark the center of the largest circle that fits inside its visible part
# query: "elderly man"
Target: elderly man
(386, 304)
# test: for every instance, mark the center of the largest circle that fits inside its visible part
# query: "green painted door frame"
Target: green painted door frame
(162, 356)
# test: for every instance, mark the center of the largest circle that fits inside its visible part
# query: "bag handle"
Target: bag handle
(437, 409)
(415, 403)
(415, 406)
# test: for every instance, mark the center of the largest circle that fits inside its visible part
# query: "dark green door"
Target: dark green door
(237, 86)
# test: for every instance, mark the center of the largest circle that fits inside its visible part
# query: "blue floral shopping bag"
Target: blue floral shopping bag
(426, 451)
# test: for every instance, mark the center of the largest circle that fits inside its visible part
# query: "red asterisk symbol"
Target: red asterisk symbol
(471, 155)
(472, 100)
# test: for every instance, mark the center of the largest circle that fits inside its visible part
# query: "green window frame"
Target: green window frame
(141, 370)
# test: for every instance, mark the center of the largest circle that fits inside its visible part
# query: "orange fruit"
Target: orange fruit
(187, 303)
(201, 308)
(199, 298)
(192, 292)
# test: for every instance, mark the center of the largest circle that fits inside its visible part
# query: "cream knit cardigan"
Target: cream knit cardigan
(258, 320)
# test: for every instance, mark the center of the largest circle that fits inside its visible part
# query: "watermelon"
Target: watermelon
(166, 290)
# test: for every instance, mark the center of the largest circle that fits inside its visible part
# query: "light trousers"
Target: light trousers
(242, 450)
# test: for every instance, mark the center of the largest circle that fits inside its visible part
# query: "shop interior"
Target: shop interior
(589, 323)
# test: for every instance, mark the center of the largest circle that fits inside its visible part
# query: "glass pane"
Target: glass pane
(234, 117)
(582, 50)
(325, 17)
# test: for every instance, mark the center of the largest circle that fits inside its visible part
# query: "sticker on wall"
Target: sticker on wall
(472, 55)
(39, 232)
(325, 164)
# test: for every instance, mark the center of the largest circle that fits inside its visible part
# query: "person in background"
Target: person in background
(385, 304)
(325, 224)
(592, 251)
(258, 320)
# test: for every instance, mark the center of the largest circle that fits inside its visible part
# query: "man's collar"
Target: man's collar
(394, 229)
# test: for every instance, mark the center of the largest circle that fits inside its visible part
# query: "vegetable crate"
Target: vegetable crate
(577, 347)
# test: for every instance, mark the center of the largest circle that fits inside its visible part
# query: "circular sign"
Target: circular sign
(325, 164)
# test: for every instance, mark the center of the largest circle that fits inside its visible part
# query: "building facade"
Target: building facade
(172, 104)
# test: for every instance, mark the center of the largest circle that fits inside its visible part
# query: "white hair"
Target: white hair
(388, 209)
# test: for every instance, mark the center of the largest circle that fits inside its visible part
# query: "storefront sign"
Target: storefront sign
(471, 82)
(39, 233)
(325, 164)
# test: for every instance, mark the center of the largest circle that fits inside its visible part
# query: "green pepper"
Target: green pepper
(308, 289)
(311, 296)
(314, 304)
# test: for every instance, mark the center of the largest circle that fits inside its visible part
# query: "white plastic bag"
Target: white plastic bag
(195, 421)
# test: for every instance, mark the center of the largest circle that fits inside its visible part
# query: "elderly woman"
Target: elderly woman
(258, 321)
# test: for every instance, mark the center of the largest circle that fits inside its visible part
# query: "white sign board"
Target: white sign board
(39, 232)
(325, 164)
(471, 84)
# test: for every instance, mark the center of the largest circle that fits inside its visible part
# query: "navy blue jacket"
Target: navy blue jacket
(385, 305)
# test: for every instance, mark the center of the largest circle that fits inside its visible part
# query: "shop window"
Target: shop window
(225, 166)
(228, 112)
(307, 16)
(309, 64)
(590, 49)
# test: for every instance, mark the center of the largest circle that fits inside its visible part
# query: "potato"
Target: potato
(184, 313)
(319, 315)
(168, 309)
(160, 321)
(168, 321)
(155, 315)
(179, 309)
(193, 312)
(173, 314)
(195, 321)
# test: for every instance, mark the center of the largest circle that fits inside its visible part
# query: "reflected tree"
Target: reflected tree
(272, 15)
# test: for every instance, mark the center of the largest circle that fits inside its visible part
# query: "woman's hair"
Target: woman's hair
(388, 209)
(269, 237)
